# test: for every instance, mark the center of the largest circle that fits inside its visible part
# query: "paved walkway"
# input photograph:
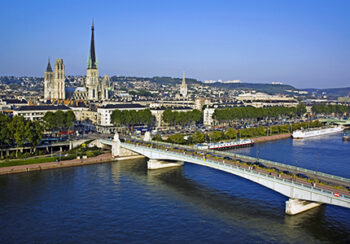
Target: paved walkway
(107, 157)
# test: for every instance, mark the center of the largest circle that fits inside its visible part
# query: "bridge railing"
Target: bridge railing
(253, 159)
(186, 157)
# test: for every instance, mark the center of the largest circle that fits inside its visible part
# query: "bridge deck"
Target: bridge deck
(322, 180)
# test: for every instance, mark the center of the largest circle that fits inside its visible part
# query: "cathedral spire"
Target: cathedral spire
(92, 64)
(183, 78)
(49, 69)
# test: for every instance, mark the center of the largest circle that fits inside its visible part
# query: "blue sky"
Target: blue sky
(304, 43)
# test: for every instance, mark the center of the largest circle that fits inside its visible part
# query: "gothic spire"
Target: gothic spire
(49, 69)
(92, 64)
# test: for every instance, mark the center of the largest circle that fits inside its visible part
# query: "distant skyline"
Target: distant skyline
(302, 43)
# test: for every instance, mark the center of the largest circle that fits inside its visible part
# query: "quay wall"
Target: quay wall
(272, 138)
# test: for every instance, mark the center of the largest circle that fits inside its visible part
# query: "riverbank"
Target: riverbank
(103, 158)
(272, 138)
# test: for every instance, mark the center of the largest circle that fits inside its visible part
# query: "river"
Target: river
(122, 202)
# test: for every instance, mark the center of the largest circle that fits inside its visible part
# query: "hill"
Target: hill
(260, 87)
(331, 93)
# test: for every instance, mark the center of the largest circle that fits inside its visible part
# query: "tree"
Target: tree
(177, 138)
(49, 120)
(17, 130)
(198, 137)
(17, 127)
(230, 133)
(5, 136)
(116, 117)
(216, 136)
(33, 133)
(70, 119)
(168, 117)
(157, 138)
(131, 117)
(60, 119)
(301, 109)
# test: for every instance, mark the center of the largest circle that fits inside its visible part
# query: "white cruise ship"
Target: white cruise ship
(306, 133)
(226, 145)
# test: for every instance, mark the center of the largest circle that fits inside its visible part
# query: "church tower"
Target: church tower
(59, 81)
(183, 87)
(48, 82)
(92, 83)
(104, 87)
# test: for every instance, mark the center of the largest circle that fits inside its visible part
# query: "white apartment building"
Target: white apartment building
(260, 99)
(38, 112)
(208, 116)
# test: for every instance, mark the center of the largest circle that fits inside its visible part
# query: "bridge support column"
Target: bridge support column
(295, 206)
(158, 164)
(118, 151)
(116, 146)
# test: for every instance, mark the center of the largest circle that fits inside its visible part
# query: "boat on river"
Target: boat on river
(306, 133)
(227, 145)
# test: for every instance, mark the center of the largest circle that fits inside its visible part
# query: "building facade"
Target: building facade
(38, 112)
(54, 81)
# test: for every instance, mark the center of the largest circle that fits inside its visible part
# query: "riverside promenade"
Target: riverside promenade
(106, 157)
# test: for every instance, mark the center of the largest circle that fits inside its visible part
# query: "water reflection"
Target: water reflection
(269, 223)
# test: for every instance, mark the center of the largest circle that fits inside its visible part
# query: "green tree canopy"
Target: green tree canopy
(131, 117)
(198, 137)
(182, 118)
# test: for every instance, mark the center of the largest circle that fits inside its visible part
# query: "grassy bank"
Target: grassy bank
(33, 161)
(72, 154)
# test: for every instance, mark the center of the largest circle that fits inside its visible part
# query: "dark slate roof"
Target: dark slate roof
(14, 101)
(172, 108)
(43, 107)
(127, 105)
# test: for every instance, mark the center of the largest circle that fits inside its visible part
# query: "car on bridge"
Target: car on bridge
(300, 175)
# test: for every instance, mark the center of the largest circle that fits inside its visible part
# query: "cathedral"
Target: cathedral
(94, 89)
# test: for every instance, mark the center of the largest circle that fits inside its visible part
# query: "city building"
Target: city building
(38, 112)
(232, 81)
(84, 113)
(209, 81)
(344, 99)
(9, 104)
(260, 99)
(208, 116)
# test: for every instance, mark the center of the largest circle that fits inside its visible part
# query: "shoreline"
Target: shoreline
(271, 138)
(103, 158)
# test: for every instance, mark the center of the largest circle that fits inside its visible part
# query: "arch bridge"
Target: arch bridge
(303, 193)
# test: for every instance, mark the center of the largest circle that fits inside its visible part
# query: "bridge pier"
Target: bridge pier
(118, 151)
(159, 164)
(296, 206)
